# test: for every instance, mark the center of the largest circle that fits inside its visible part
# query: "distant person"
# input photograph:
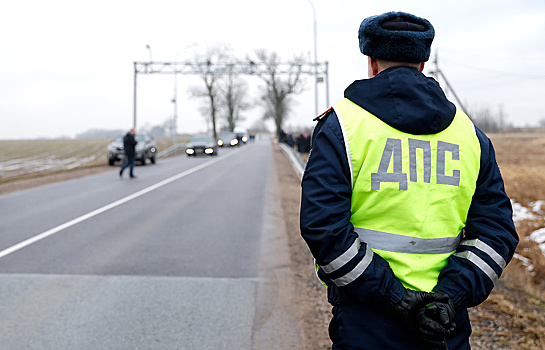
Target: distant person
(129, 144)
(300, 142)
(282, 136)
(303, 143)
(403, 204)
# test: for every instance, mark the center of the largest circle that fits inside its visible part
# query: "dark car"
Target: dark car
(146, 148)
(201, 145)
(228, 139)
(242, 135)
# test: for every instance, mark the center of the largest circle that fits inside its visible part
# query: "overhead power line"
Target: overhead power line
(521, 76)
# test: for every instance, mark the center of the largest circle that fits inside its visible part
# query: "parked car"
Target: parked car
(146, 148)
(201, 145)
(227, 139)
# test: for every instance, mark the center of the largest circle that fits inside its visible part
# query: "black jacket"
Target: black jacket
(129, 144)
(409, 101)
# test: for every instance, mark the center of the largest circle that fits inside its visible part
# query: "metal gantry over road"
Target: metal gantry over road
(318, 69)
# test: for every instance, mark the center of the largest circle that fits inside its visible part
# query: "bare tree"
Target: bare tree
(502, 118)
(207, 70)
(277, 96)
(234, 92)
(169, 125)
(259, 126)
(488, 121)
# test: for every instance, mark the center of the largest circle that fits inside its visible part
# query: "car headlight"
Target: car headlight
(220, 143)
(234, 142)
(209, 150)
(244, 138)
(190, 151)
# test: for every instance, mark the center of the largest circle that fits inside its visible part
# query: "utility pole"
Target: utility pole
(438, 72)
(175, 115)
(134, 97)
(315, 58)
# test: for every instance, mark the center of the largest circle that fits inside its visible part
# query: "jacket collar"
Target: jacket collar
(405, 99)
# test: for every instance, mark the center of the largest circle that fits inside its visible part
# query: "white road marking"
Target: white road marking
(107, 207)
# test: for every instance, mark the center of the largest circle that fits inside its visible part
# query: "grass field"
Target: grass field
(521, 159)
(30, 158)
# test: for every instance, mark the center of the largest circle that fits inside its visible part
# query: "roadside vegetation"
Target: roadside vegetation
(515, 312)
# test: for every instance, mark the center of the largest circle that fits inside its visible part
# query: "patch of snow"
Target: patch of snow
(17, 167)
(525, 262)
(539, 237)
(537, 205)
(522, 213)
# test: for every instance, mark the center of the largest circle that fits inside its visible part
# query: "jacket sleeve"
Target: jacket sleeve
(343, 259)
(489, 240)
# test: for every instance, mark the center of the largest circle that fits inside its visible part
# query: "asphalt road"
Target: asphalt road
(189, 255)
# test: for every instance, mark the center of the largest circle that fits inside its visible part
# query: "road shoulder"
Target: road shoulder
(275, 325)
(312, 311)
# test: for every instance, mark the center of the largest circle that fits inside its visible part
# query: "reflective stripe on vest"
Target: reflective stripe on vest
(405, 244)
(410, 193)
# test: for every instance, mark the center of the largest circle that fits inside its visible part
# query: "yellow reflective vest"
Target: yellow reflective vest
(410, 193)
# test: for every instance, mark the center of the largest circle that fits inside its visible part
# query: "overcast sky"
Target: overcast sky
(67, 66)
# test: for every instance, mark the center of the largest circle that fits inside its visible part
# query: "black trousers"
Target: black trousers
(361, 327)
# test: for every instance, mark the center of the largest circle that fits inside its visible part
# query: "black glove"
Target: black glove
(439, 316)
(411, 305)
(427, 314)
(436, 322)
(442, 311)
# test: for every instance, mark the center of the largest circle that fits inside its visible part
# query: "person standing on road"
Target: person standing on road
(129, 145)
(403, 205)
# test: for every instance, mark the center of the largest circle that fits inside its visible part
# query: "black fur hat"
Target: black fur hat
(397, 37)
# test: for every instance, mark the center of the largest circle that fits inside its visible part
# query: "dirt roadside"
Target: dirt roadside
(311, 307)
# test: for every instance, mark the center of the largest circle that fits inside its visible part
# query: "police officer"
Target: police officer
(403, 205)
